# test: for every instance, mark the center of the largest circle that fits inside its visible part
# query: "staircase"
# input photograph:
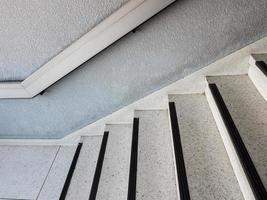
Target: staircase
(206, 146)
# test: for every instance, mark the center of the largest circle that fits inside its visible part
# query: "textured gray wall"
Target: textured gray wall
(32, 32)
(182, 39)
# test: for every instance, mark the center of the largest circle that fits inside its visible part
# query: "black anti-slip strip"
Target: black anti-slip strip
(99, 167)
(133, 162)
(70, 173)
(178, 151)
(243, 155)
(262, 66)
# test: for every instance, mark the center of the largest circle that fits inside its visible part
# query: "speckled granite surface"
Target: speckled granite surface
(249, 112)
(83, 175)
(23, 170)
(113, 184)
(209, 171)
(155, 167)
(55, 180)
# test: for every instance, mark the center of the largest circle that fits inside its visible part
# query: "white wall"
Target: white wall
(32, 32)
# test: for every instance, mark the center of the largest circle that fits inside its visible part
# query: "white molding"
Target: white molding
(39, 142)
(128, 17)
(13, 90)
(66, 141)
(256, 75)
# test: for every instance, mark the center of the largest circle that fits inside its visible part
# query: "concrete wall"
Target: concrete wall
(33, 32)
(184, 38)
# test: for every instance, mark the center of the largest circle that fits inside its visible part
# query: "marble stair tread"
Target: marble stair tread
(57, 175)
(114, 177)
(209, 172)
(24, 169)
(155, 164)
(81, 182)
(249, 112)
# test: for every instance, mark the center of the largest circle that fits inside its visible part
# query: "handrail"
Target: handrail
(121, 22)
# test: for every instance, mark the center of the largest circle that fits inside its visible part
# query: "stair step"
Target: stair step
(155, 164)
(178, 155)
(24, 169)
(55, 180)
(115, 170)
(82, 179)
(209, 172)
(248, 110)
(258, 72)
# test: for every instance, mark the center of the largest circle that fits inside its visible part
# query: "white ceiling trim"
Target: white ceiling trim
(104, 34)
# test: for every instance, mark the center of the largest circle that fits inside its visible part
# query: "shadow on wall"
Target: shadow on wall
(182, 39)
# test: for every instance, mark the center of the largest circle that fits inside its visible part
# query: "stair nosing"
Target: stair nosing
(252, 175)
